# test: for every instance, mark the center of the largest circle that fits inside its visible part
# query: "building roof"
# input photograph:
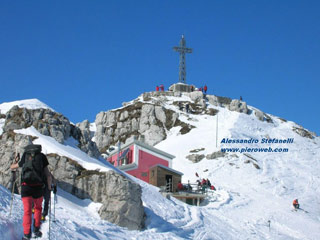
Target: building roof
(167, 168)
(144, 145)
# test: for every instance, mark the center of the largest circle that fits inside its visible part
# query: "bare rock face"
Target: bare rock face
(195, 157)
(83, 134)
(219, 101)
(238, 106)
(262, 116)
(120, 197)
(196, 96)
(304, 133)
(52, 124)
(215, 155)
(259, 115)
(147, 119)
(10, 144)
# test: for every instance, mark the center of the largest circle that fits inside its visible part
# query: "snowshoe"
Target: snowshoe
(37, 232)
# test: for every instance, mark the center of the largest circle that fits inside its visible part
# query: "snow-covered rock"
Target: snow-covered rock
(238, 106)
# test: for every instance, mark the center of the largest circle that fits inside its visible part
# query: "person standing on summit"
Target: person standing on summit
(205, 88)
(34, 166)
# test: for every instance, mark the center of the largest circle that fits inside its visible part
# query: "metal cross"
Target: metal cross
(182, 49)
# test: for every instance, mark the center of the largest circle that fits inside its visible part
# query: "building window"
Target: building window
(144, 174)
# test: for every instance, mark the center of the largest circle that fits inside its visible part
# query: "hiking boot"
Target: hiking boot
(37, 232)
(26, 236)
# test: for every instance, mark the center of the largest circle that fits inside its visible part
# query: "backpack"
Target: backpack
(32, 169)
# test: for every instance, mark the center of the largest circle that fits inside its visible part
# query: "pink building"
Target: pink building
(137, 158)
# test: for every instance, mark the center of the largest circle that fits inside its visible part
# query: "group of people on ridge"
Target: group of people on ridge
(161, 88)
(36, 184)
(201, 89)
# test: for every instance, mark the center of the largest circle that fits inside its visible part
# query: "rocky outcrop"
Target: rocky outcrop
(215, 155)
(50, 123)
(84, 137)
(10, 144)
(47, 122)
(196, 96)
(238, 106)
(147, 119)
(304, 133)
(262, 116)
(195, 157)
(232, 105)
(120, 197)
(219, 101)
(259, 115)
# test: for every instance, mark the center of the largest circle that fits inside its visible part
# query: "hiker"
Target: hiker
(205, 88)
(189, 188)
(162, 87)
(180, 186)
(296, 204)
(34, 166)
(203, 182)
(47, 195)
(192, 88)
(208, 183)
(199, 183)
(200, 89)
(240, 98)
(212, 188)
(187, 108)
(157, 88)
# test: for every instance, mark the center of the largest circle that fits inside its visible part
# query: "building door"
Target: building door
(169, 183)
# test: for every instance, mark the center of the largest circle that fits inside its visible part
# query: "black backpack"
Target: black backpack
(32, 169)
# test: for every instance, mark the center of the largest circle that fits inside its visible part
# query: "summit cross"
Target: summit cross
(182, 49)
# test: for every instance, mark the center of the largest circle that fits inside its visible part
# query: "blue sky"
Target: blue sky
(83, 57)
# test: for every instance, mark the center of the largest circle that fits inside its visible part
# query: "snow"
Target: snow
(245, 201)
(68, 149)
(28, 103)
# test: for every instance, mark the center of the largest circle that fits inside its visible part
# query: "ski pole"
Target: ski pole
(13, 181)
(54, 202)
(12, 195)
(49, 215)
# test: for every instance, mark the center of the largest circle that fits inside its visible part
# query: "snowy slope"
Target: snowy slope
(247, 198)
(256, 195)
